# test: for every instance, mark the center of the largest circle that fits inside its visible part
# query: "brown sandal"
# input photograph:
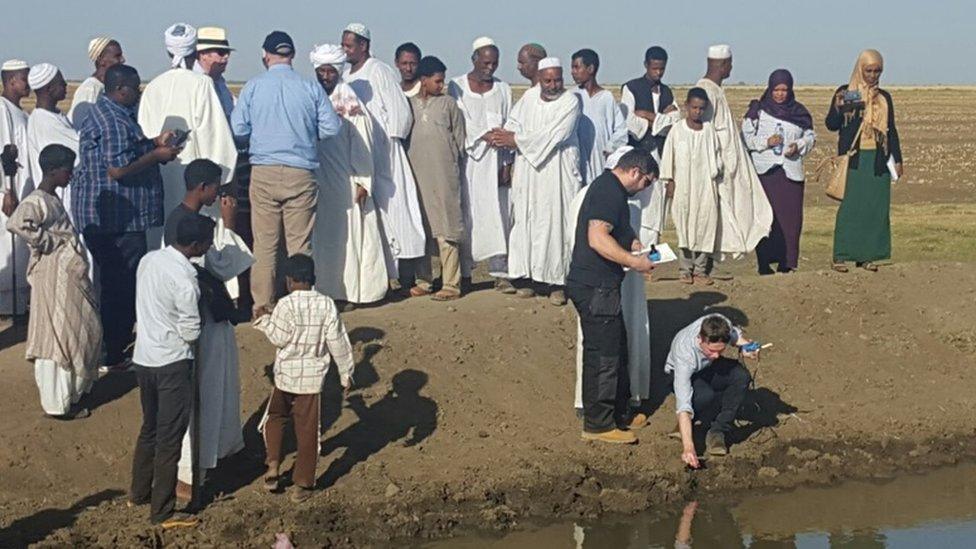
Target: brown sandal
(686, 279)
(417, 291)
(868, 266)
(839, 266)
(446, 295)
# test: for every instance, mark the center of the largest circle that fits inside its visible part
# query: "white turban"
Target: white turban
(720, 51)
(40, 75)
(14, 65)
(327, 54)
(481, 42)
(181, 42)
(616, 155)
(550, 63)
(97, 46)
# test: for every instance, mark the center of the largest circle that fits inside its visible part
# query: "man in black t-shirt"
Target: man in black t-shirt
(603, 246)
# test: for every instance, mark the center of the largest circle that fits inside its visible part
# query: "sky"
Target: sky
(923, 42)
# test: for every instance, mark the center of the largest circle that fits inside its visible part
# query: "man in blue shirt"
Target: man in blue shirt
(117, 195)
(283, 115)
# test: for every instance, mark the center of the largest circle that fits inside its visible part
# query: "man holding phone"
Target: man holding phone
(603, 244)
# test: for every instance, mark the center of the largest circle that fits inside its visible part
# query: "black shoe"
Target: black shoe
(715, 443)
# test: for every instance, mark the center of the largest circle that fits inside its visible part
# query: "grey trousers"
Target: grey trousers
(692, 263)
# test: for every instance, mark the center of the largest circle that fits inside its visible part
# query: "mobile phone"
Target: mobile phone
(852, 96)
(179, 138)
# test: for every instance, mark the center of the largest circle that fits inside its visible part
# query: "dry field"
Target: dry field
(462, 417)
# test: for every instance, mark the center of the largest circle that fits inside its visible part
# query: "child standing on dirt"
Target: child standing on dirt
(305, 327)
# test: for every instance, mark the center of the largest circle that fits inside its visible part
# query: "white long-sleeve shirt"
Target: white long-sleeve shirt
(756, 134)
(687, 359)
(167, 310)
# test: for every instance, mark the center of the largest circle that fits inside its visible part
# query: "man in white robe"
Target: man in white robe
(745, 211)
(601, 128)
(633, 302)
(47, 125)
(486, 205)
(14, 253)
(394, 189)
(346, 242)
(180, 99)
(104, 52)
(546, 177)
(213, 53)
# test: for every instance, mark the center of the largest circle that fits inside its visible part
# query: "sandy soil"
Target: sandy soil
(464, 418)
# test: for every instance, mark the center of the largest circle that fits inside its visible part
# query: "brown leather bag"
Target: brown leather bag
(833, 170)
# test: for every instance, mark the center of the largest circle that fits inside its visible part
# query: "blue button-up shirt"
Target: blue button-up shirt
(110, 137)
(284, 114)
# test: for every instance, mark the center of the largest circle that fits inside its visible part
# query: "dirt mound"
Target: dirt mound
(464, 417)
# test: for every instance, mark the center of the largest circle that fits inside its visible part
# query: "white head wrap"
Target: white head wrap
(720, 51)
(481, 42)
(40, 75)
(616, 155)
(14, 65)
(358, 29)
(181, 42)
(328, 54)
(97, 46)
(550, 63)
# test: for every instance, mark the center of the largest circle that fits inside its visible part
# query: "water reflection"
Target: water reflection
(937, 509)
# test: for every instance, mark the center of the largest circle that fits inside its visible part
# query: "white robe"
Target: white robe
(746, 214)
(49, 128)
(217, 368)
(486, 207)
(693, 160)
(545, 179)
(394, 189)
(346, 241)
(83, 100)
(602, 129)
(633, 304)
(182, 99)
(13, 130)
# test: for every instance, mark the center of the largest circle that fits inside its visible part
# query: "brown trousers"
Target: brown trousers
(450, 266)
(282, 205)
(305, 413)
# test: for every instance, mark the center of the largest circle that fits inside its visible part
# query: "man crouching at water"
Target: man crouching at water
(707, 386)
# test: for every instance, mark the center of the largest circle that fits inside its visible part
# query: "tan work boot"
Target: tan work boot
(638, 421)
(613, 436)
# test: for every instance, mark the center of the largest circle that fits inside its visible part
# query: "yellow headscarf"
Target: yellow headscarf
(875, 106)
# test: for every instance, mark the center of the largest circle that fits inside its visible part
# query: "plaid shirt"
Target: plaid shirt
(110, 137)
(305, 327)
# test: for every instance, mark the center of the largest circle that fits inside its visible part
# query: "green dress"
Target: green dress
(863, 229)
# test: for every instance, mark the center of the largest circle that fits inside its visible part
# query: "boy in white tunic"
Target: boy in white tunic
(692, 164)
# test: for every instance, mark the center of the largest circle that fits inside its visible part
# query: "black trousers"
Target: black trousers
(166, 395)
(606, 385)
(717, 393)
(117, 256)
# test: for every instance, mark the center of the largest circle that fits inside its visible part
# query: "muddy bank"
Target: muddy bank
(464, 418)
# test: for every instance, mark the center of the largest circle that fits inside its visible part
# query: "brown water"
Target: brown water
(936, 509)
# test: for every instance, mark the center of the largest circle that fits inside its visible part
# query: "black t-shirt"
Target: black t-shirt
(178, 214)
(605, 200)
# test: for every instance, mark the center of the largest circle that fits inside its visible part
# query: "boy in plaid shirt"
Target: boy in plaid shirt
(305, 327)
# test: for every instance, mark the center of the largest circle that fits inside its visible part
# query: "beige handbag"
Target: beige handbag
(833, 170)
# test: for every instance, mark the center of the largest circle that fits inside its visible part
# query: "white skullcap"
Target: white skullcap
(40, 75)
(720, 51)
(181, 42)
(97, 46)
(481, 42)
(14, 65)
(550, 63)
(327, 54)
(616, 155)
(358, 29)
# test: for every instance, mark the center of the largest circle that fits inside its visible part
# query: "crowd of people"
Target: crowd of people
(130, 248)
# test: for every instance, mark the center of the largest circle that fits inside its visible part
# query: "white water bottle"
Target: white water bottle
(778, 149)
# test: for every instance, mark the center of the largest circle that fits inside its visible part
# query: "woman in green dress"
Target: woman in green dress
(864, 117)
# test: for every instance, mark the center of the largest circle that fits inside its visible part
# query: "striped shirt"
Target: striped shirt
(110, 137)
(305, 327)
